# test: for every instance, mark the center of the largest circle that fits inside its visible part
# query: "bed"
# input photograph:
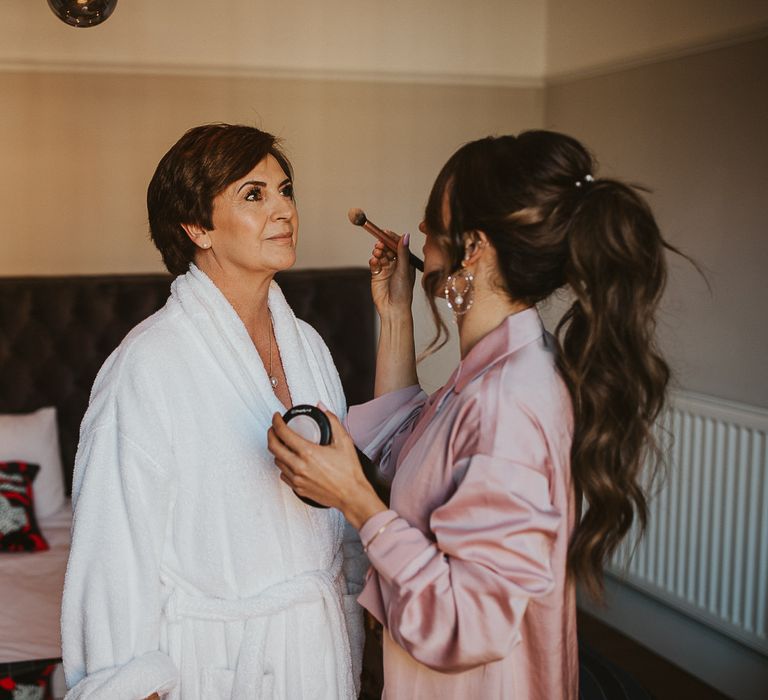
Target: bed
(55, 332)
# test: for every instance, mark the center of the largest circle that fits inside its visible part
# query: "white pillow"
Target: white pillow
(34, 437)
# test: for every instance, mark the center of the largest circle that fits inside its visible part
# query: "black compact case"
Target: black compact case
(309, 422)
(313, 425)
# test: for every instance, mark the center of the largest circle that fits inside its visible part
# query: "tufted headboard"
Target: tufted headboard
(55, 333)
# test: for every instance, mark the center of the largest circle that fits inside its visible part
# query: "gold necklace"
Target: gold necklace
(272, 378)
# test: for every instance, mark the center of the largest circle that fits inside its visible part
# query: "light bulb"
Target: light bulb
(82, 13)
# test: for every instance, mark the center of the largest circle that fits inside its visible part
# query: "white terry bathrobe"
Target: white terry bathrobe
(194, 571)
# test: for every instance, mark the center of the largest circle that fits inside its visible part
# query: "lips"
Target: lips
(281, 236)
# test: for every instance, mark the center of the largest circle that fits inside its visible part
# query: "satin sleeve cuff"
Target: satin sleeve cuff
(371, 529)
(396, 550)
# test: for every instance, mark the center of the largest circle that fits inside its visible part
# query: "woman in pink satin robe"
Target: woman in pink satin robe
(475, 559)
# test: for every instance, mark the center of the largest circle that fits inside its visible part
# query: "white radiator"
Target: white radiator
(705, 551)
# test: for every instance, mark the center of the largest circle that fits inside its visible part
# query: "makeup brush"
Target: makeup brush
(358, 218)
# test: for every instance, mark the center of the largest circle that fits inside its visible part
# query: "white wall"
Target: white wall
(78, 151)
(599, 34)
(693, 130)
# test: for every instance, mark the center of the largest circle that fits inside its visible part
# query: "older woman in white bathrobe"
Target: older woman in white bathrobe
(195, 572)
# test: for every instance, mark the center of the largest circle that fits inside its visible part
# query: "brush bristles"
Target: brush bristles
(357, 217)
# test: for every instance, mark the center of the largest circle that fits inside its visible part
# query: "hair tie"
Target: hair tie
(587, 178)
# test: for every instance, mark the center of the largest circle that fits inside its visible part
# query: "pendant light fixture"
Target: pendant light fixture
(82, 13)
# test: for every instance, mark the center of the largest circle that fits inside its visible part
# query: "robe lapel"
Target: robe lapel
(302, 370)
(224, 334)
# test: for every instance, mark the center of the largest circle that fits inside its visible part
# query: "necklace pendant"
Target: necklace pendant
(273, 382)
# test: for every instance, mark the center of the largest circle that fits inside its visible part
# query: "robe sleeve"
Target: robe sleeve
(112, 594)
(380, 427)
(455, 600)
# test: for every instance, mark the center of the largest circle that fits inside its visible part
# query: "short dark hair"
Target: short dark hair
(192, 173)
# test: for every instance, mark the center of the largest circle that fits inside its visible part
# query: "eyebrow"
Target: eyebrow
(262, 184)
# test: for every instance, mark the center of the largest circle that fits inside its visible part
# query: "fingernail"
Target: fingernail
(322, 406)
(406, 239)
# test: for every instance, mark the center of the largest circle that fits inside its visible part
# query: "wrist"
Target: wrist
(363, 505)
(397, 317)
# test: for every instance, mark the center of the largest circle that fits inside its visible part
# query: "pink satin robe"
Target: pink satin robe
(469, 578)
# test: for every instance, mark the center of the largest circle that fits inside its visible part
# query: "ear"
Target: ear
(197, 234)
(475, 245)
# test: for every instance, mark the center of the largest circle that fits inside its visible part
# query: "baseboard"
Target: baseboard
(717, 660)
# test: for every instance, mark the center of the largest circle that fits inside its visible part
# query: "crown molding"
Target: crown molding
(77, 67)
(270, 73)
(657, 56)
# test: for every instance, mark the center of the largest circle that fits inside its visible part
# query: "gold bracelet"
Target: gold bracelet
(378, 532)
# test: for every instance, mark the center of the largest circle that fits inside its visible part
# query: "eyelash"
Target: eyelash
(254, 194)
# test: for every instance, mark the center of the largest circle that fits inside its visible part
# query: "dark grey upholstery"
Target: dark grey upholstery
(55, 333)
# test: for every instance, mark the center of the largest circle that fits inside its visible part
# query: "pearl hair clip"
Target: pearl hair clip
(587, 178)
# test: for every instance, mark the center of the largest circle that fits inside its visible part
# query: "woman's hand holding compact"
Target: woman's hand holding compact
(331, 474)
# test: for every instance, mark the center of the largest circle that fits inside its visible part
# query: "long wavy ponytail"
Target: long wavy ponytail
(553, 225)
(616, 376)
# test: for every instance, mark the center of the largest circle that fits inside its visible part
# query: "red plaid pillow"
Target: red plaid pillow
(26, 680)
(19, 531)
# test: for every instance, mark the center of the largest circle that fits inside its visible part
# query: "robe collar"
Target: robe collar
(226, 337)
(514, 332)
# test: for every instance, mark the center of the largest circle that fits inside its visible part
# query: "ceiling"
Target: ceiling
(507, 42)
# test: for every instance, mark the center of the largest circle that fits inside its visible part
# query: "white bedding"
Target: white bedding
(30, 594)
